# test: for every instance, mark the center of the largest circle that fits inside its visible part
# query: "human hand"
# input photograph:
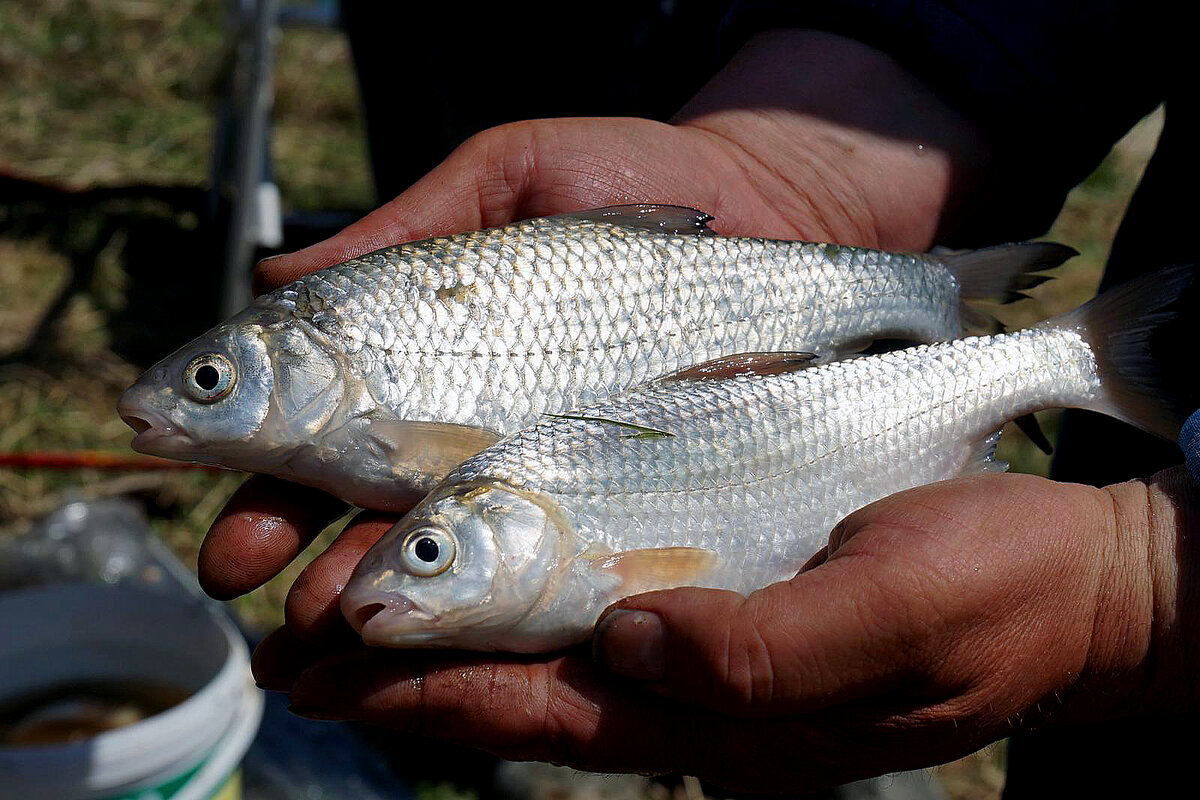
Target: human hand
(770, 147)
(937, 620)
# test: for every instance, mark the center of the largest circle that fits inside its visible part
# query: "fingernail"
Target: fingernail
(262, 262)
(630, 643)
(314, 713)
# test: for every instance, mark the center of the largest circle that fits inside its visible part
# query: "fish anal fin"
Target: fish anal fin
(657, 568)
(760, 364)
(982, 457)
(676, 220)
(978, 322)
(430, 447)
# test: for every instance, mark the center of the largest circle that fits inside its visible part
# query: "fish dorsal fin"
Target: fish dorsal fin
(657, 568)
(760, 364)
(677, 220)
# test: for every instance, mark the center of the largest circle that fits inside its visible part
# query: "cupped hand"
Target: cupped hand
(936, 621)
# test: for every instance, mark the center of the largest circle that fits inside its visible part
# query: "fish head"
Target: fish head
(462, 569)
(243, 395)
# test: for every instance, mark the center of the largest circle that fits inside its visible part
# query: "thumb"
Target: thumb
(447, 200)
(828, 636)
(486, 181)
(822, 638)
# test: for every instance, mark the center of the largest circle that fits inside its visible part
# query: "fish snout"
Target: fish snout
(380, 616)
(150, 426)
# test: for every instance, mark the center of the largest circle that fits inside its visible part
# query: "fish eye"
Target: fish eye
(428, 552)
(208, 377)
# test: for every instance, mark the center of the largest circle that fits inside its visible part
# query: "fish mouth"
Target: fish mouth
(385, 618)
(156, 435)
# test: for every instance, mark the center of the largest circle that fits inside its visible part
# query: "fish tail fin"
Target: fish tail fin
(1000, 274)
(1127, 329)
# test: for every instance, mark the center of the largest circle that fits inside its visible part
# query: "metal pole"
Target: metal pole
(252, 90)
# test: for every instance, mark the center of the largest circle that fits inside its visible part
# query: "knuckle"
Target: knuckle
(744, 665)
(308, 600)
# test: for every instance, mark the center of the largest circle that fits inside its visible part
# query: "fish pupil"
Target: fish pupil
(426, 549)
(207, 377)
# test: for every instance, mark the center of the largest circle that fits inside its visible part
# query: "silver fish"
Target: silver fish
(729, 481)
(371, 379)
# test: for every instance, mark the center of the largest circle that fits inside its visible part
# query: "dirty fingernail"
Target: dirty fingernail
(630, 643)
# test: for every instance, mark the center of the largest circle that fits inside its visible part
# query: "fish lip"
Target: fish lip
(389, 625)
(381, 631)
(153, 429)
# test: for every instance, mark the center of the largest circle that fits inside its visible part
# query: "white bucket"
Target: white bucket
(71, 633)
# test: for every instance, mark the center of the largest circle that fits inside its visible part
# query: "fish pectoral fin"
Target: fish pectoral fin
(657, 568)
(677, 220)
(761, 364)
(430, 447)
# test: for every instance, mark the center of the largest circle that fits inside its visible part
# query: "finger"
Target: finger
(481, 180)
(562, 710)
(816, 641)
(559, 710)
(818, 558)
(311, 611)
(280, 658)
(262, 528)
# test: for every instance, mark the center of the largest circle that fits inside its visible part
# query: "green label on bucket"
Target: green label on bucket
(164, 791)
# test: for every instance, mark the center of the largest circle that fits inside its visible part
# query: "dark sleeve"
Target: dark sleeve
(1052, 85)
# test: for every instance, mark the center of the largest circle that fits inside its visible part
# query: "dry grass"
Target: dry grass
(96, 92)
(979, 776)
(108, 92)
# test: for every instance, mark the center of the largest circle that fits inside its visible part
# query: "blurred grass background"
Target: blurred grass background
(98, 93)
